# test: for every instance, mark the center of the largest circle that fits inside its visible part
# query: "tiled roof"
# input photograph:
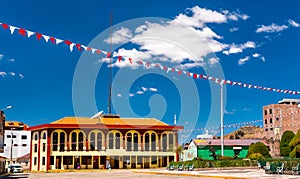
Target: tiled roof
(216, 142)
(15, 124)
(111, 121)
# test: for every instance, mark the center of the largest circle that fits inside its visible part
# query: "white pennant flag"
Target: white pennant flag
(29, 33)
(12, 29)
(58, 41)
(71, 46)
(93, 50)
(234, 83)
(169, 69)
(46, 37)
(84, 47)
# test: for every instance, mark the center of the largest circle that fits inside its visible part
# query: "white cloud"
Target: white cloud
(271, 28)
(233, 29)
(235, 16)
(293, 23)
(11, 60)
(1, 56)
(213, 61)
(120, 36)
(263, 59)
(243, 60)
(12, 73)
(255, 55)
(131, 95)
(228, 112)
(2, 73)
(119, 95)
(21, 76)
(144, 89)
(247, 109)
(126, 54)
(153, 89)
(239, 48)
(140, 92)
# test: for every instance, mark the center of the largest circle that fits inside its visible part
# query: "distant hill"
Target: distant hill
(246, 132)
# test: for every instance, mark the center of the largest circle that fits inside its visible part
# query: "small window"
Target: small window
(271, 120)
(15, 145)
(43, 161)
(51, 160)
(24, 137)
(36, 137)
(266, 112)
(35, 161)
(4, 145)
(270, 111)
(14, 136)
(277, 118)
(44, 147)
(24, 145)
(35, 147)
(266, 121)
(266, 129)
(8, 136)
(271, 129)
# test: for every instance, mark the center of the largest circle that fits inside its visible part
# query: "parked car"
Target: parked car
(15, 168)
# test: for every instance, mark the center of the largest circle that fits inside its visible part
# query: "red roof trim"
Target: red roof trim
(101, 126)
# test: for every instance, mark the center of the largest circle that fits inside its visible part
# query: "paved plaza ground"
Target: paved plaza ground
(153, 174)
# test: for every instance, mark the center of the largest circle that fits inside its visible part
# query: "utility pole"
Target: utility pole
(222, 121)
(11, 149)
(110, 67)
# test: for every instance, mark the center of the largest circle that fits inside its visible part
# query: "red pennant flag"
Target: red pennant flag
(165, 68)
(22, 32)
(108, 55)
(179, 72)
(88, 48)
(195, 75)
(5, 26)
(68, 42)
(52, 40)
(120, 58)
(140, 61)
(38, 35)
(130, 60)
(98, 51)
(79, 47)
(173, 70)
(148, 64)
(201, 76)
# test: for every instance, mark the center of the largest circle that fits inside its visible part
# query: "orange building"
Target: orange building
(92, 142)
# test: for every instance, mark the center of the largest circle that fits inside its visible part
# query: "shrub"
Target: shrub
(256, 156)
(294, 152)
(258, 147)
(295, 141)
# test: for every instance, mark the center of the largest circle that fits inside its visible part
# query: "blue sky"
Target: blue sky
(253, 42)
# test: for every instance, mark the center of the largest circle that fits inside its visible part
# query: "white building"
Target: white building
(16, 144)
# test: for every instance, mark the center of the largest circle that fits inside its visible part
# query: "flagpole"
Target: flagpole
(222, 121)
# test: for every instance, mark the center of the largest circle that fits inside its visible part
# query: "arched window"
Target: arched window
(135, 141)
(128, 141)
(147, 139)
(153, 142)
(80, 141)
(164, 142)
(111, 141)
(36, 137)
(44, 135)
(118, 140)
(74, 140)
(92, 141)
(171, 142)
(55, 141)
(62, 142)
(99, 141)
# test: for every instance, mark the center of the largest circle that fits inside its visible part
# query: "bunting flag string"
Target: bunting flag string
(24, 32)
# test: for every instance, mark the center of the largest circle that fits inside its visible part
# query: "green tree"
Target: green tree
(286, 138)
(295, 152)
(260, 148)
(295, 141)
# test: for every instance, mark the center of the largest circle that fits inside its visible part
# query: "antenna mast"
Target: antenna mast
(110, 67)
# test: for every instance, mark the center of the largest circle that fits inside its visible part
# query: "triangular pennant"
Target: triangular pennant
(52, 39)
(84, 47)
(120, 59)
(5, 26)
(58, 41)
(72, 46)
(46, 37)
(169, 69)
(108, 55)
(38, 36)
(93, 50)
(78, 47)
(130, 60)
(12, 29)
(29, 33)
(98, 51)
(68, 42)
(195, 75)
(22, 32)
(88, 48)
